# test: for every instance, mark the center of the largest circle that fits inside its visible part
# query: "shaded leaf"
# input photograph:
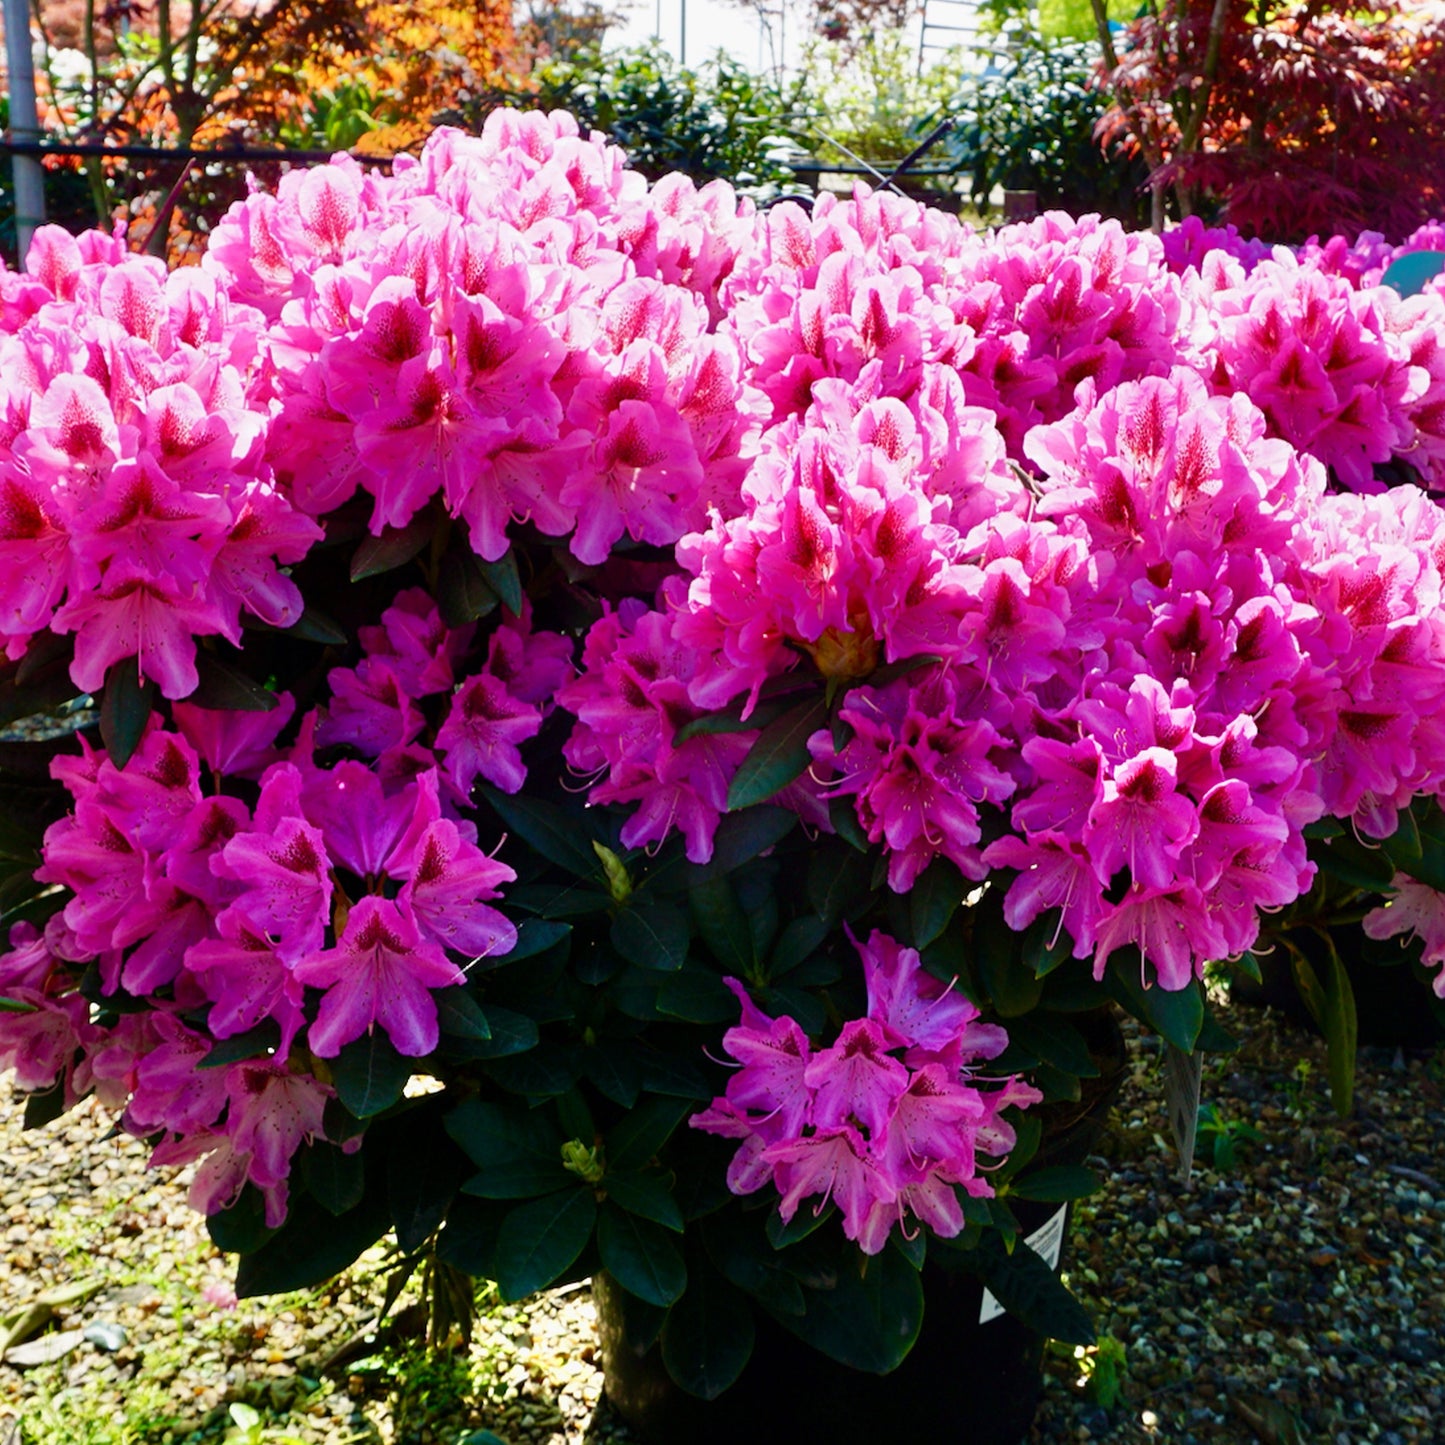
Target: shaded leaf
(1056, 1183)
(394, 548)
(640, 1255)
(504, 579)
(778, 756)
(335, 1179)
(225, 688)
(707, 1338)
(537, 1241)
(652, 935)
(369, 1074)
(647, 1195)
(125, 707)
(312, 1246)
(553, 832)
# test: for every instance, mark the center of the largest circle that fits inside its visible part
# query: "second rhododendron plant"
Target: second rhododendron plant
(621, 732)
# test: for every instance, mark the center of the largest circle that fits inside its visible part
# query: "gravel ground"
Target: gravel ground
(1295, 1295)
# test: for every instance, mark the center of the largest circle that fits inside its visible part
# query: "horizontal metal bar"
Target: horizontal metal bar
(10, 146)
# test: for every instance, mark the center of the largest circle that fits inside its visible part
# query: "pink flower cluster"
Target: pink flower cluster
(514, 325)
(361, 884)
(888, 1121)
(137, 508)
(1048, 514)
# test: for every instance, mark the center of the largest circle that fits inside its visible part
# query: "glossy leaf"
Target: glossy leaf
(369, 1074)
(636, 1138)
(779, 755)
(312, 1246)
(125, 708)
(708, 1335)
(553, 832)
(1030, 1291)
(646, 1195)
(866, 1321)
(227, 689)
(652, 935)
(538, 1241)
(935, 894)
(334, 1178)
(504, 579)
(394, 548)
(1056, 1183)
(641, 1256)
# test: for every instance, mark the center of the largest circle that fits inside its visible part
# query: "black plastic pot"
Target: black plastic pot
(963, 1381)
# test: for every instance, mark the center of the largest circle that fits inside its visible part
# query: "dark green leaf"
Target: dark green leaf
(723, 926)
(647, 1195)
(369, 1074)
(635, 1140)
(394, 548)
(468, 1241)
(125, 708)
(1056, 1183)
(553, 832)
(539, 1240)
(669, 1074)
(39, 692)
(240, 1227)
(534, 936)
(652, 935)
(843, 814)
(423, 1173)
(459, 1014)
(708, 1336)
(779, 755)
(866, 1321)
(517, 1151)
(313, 626)
(697, 995)
(640, 1255)
(1341, 1030)
(1053, 1039)
(255, 1043)
(1013, 987)
(312, 1246)
(1030, 1291)
(504, 579)
(44, 1106)
(612, 1066)
(1359, 864)
(1176, 1015)
(798, 942)
(731, 720)
(223, 688)
(740, 838)
(509, 1032)
(462, 592)
(936, 892)
(17, 1006)
(334, 1178)
(802, 1224)
(839, 882)
(543, 1072)
(1046, 944)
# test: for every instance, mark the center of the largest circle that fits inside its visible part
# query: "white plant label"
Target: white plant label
(1047, 1241)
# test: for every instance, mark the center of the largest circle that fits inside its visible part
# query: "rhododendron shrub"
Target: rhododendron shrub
(613, 712)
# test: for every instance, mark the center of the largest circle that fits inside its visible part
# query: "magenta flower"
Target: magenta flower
(381, 972)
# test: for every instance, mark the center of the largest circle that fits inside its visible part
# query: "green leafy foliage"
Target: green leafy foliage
(1029, 125)
(718, 120)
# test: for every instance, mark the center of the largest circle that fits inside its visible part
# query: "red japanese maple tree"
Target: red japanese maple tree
(1288, 119)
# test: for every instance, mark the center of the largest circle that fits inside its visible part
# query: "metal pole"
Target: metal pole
(682, 39)
(24, 124)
